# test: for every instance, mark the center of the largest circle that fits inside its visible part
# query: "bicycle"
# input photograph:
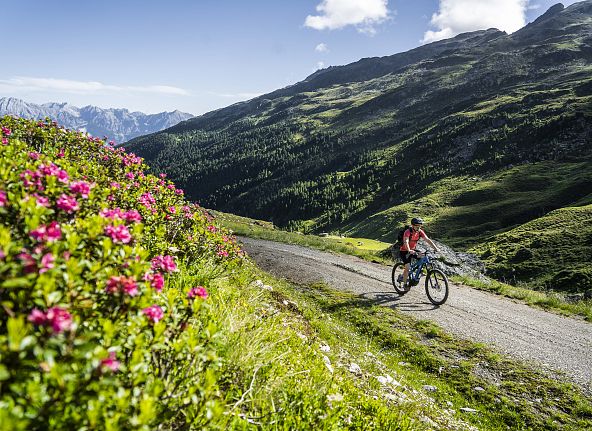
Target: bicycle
(436, 283)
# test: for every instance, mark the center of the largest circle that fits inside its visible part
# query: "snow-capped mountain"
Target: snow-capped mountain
(119, 125)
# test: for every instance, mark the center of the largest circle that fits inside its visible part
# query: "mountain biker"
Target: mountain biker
(410, 239)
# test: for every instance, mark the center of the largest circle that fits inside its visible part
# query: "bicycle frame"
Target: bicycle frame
(416, 268)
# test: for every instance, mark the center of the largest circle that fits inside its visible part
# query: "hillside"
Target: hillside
(467, 131)
(124, 307)
(117, 124)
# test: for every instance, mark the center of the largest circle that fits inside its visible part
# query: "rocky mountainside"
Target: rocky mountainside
(479, 134)
(118, 124)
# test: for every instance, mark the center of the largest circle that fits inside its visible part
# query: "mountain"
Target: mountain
(479, 134)
(118, 124)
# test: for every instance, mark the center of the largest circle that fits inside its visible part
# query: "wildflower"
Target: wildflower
(34, 155)
(4, 141)
(179, 191)
(80, 187)
(132, 215)
(212, 228)
(173, 210)
(162, 175)
(67, 203)
(154, 313)
(47, 262)
(111, 362)
(197, 291)
(156, 280)
(118, 233)
(115, 185)
(3, 198)
(127, 285)
(47, 233)
(222, 253)
(42, 201)
(6, 131)
(56, 317)
(28, 262)
(164, 263)
(114, 214)
(130, 175)
(61, 153)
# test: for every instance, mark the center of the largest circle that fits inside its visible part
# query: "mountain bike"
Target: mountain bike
(436, 282)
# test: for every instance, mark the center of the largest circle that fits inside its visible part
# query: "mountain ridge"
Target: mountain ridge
(119, 124)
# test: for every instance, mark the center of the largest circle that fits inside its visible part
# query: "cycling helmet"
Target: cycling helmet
(416, 220)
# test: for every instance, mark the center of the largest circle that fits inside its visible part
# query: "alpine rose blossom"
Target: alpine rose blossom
(198, 291)
(111, 362)
(164, 263)
(67, 203)
(154, 313)
(57, 318)
(119, 234)
(80, 187)
(47, 262)
(127, 285)
(3, 199)
(47, 233)
(156, 280)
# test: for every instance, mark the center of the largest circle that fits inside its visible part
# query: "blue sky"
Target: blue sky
(200, 55)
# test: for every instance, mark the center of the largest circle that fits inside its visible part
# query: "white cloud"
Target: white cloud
(322, 47)
(27, 84)
(335, 14)
(320, 65)
(459, 16)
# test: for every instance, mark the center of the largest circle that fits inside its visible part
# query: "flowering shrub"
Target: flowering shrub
(92, 335)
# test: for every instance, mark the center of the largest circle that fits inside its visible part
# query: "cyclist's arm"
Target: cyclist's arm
(430, 242)
(406, 237)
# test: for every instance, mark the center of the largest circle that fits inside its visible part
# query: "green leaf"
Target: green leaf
(13, 283)
(17, 330)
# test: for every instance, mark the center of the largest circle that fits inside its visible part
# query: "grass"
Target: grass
(293, 350)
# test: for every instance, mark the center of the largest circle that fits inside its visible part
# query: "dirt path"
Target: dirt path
(555, 342)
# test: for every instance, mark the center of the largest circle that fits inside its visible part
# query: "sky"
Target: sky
(200, 55)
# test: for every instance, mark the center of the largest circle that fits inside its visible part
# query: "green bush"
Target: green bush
(96, 330)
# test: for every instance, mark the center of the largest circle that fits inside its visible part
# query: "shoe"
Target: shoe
(400, 278)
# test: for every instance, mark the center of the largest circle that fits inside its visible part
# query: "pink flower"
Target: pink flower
(127, 285)
(47, 262)
(80, 187)
(42, 201)
(197, 291)
(162, 175)
(61, 153)
(115, 185)
(156, 280)
(164, 263)
(179, 191)
(132, 215)
(4, 141)
(130, 175)
(49, 233)
(34, 155)
(67, 203)
(222, 253)
(172, 210)
(3, 198)
(118, 233)
(59, 319)
(6, 131)
(29, 264)
(212, 228)
(114, 214)
(37, 317)
(56, 317)
(111, 362)
(147, 199)
(154, 313)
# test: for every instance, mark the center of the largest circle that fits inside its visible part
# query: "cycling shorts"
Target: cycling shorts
(406, 256)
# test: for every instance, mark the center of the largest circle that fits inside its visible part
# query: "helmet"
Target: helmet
(416, 220)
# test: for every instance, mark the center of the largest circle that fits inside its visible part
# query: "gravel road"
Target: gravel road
(554, 342)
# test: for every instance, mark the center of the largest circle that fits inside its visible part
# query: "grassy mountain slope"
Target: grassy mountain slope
(125, 308)
(352, 143)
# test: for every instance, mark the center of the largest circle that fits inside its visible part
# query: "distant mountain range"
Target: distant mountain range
(119, 125)
(486, 135)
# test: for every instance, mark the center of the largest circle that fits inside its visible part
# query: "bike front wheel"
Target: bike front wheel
(395, 277)
(436, 286)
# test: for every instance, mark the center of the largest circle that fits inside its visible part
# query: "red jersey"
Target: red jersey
(412, 237)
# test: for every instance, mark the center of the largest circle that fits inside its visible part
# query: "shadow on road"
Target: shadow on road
(396, 302)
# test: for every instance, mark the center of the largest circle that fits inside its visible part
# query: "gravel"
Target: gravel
(554, 343)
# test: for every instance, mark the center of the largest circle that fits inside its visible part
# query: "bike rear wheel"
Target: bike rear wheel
(398, 285)
(436, 286)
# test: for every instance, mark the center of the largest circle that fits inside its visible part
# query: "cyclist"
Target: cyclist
(410, 239)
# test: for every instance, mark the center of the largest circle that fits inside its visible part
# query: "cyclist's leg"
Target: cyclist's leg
(406, 258)
(405, 273)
